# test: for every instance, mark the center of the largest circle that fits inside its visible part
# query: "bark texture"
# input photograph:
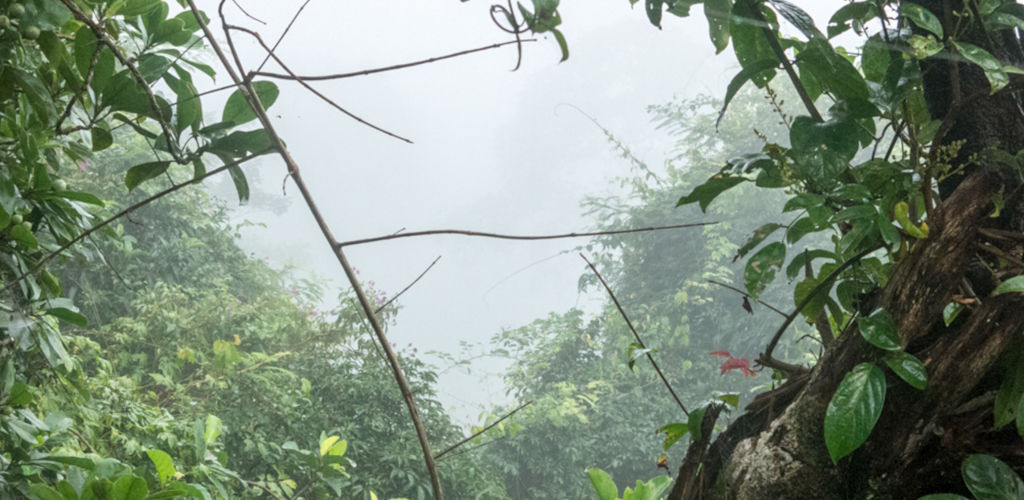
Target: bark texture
(776, 449)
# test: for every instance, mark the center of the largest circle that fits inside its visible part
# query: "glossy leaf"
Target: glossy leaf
(797, 17)
(695, 421)
(922, 17)
(908, 368)
(994, 72)
(879, 330)
(989, 478)
(854, 410)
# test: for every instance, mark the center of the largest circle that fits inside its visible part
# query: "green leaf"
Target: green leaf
(40, 491)
(731, 399)
(749, 42)
(989, 478)
(1011, 389)
(943, 496)
(748, 72)
(603, 484)
(757, 237)
(922, 17)
(705, 193)
(994, 72)
(213, 428)
(854, 410)
(69, 316)
(797, 17)
(833, 71)
(695, 421)
(673, 433)
(24, 236)
(141, 173)
(163, 463)
(854, 14)
(909, 368)
(761, 267)
(879, 330)
(129, 487)
(1014, 284)
(654, 10)
(562, 44)
(237, 109)
(101, 138)
(1019, 418)
(951, 311)
(241, 185)
(718, 13)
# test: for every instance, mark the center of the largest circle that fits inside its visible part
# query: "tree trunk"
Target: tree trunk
(776, 449)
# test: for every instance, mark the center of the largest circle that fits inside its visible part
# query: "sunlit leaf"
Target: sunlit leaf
(603, 484)
(163, 463)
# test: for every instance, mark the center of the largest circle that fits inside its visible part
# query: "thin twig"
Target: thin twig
(247, 14)
(481, 431)
(766, 357)
(636, 335)
(296, 174)
(747, 295)
(123, 213)
(309, 87)
(283, 33)
(364, 72)
(85, 88)
(399, 294)
(481, 445)
(516, 237)
(780, 53)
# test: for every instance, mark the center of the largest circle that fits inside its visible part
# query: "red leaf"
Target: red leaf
(741, 364)
(721, 354)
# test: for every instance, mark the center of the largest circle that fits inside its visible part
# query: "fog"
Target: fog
(494, 150)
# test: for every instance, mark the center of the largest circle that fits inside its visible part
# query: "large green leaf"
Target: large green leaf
(854, 410)
(922, 17)
(694, 423)
(163, 463)
(797, 17)
(129, 487)
(833, 71)
(673, 433)
(141, 173)
(237, 109)
(603, 484)
(749, 41)
(989, 478)
(879, 330)
(710, 190)
(994, 71)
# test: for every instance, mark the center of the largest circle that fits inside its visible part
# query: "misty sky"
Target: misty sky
(494, 150)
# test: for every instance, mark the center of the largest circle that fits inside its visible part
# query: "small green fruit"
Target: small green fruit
(16, 10)
(16, 219)
(60, 185)
(31, 33)
(27, 225)
(5, 22)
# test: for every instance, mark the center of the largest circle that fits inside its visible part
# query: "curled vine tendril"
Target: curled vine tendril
(514, 27)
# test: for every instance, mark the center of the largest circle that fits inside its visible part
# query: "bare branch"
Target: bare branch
(247, 14)
(747, 295)
(407, 287)
(364, 72)
(780, 53)
(516, 237)
(296, 174)
(636, 335)
(283, 34)
(309, 87)
(481, 431)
